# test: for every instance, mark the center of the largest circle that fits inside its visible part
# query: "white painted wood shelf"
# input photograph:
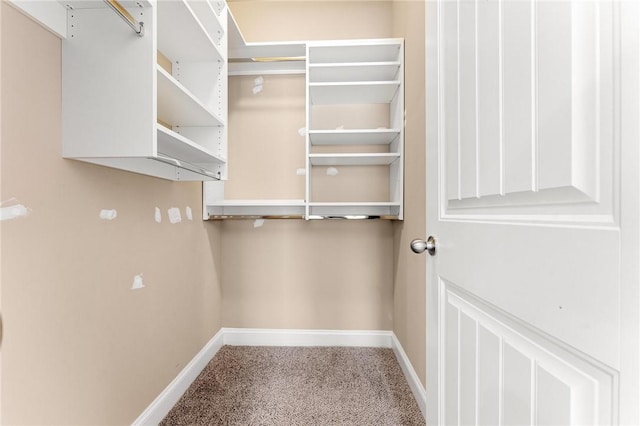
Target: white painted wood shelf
(177, 105)
(174, 145)
(364, 210)
(182, 36)
(343, 72)
(353, 137)
(361, 74)
(255, 209)
(374, 159)
(356, 51)
(367, 71)
(365, 92)
(115, 93)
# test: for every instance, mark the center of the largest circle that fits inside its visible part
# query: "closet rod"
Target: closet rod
(138, 27)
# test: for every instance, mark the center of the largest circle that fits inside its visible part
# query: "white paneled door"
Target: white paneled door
(533, 196)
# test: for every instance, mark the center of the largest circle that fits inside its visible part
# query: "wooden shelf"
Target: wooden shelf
(181, 36)
(176, 105)
(371, 52)
(367, 71)
(374, 92)
(353, 137)
(374, 159)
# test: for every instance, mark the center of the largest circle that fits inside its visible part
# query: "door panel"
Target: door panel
(506, 372)
(528, 109)
(531, 168)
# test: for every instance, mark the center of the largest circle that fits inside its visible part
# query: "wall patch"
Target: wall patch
(158, 215)
(12, 209)
(174, 215)
(188, 213)
(108, 214)
(137, 282)
(257, 85)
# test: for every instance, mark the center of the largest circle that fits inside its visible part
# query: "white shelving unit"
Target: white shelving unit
(358, 73)
(123, 109)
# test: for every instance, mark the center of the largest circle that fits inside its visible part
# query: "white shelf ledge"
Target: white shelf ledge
(367, 71)
(374, 159)
(174, 145)
(364, 210)
(207, 14)
(373, 92)
(181, 36)
(353, 137)
(373, 52)
(176, 105)
(254, 209)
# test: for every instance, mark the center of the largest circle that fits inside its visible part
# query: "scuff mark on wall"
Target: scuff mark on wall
(188, 213)
(332, 171)
(158, 215)
(174, 215)
(137, 282)
(12, 209)
(108, 214)
(258, 223)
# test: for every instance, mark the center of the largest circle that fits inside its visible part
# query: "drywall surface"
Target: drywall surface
(409, 307)
(99, 314)
(290, 20)
(310, 275)
(294, 273)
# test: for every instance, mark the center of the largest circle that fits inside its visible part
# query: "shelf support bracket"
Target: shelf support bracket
(137, 27)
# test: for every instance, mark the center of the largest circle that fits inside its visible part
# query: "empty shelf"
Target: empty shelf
(176, 105)
(353, 137)
(174, 145)
(251, 209)
(374, 92)
(181, 36)
(374, 52)
(375, 159)
(368, 71)
(364, 210)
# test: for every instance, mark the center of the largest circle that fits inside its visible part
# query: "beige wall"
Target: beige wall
(292, 273)
(289, 20)
(409, 296)
(79, 346)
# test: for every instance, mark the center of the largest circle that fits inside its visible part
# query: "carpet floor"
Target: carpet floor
(249, 385)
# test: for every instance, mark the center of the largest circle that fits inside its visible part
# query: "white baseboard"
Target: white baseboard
(159, 408)
(418, 391)
(277, 337)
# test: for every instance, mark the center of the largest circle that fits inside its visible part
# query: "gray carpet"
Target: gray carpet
(248, 385)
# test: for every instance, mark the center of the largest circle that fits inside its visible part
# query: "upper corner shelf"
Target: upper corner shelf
(183, 37)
